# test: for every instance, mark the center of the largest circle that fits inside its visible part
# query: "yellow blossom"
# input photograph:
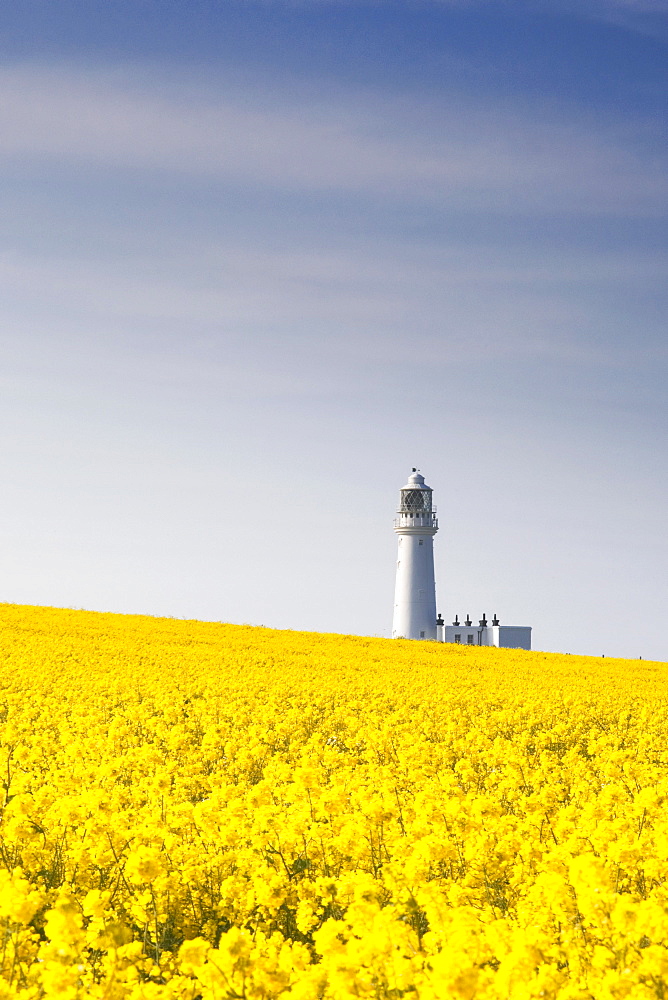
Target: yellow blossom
(197, 810)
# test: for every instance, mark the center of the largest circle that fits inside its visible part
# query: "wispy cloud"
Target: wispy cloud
(461, 299)
(590, 9)
(464, 153)
(647, 17)
(269, 307)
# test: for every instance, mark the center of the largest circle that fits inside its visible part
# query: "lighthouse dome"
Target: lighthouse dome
(416, 482)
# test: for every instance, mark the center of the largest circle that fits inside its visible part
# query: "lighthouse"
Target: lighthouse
(415, 592)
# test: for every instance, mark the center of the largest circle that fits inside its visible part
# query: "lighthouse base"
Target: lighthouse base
(415, 592)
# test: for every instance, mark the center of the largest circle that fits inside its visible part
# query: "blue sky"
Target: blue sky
(258, 259)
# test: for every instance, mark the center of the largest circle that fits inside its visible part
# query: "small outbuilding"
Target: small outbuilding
(484, 633)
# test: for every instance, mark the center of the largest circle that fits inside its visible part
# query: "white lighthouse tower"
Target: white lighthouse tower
(415, 593)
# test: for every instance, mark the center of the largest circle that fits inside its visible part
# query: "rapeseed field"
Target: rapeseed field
(195, 810)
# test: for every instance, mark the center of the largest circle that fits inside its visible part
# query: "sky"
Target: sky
(259, 258)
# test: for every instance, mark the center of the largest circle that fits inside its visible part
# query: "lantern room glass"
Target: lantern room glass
(415, 502)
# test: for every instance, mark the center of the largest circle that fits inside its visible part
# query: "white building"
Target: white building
(484, 633)
(415, 591)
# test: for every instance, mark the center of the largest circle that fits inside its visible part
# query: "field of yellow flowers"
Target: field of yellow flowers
(195, 810)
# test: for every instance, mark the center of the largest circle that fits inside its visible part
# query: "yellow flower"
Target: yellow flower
(19, 901)
(192, 955)
(194, 809)
(95, 903)
(143, 865)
